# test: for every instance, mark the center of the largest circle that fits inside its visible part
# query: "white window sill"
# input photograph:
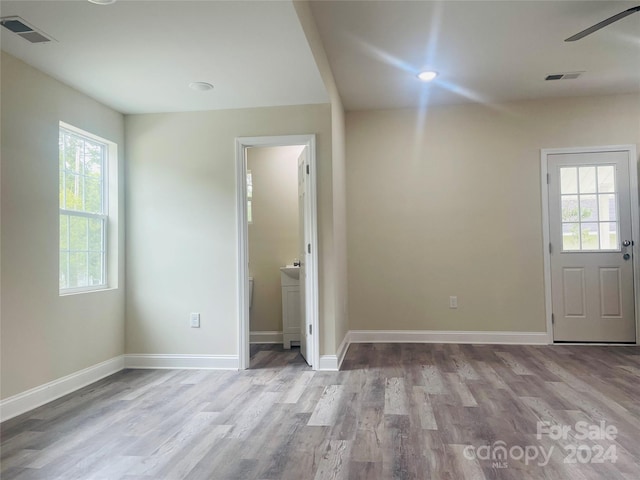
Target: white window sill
(80, 291)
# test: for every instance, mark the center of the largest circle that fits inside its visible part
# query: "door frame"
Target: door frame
(311, 230)
(635, 227)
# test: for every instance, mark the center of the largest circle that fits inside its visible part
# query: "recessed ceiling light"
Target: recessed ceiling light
(103, 2)
(427, 76)
(200, 86)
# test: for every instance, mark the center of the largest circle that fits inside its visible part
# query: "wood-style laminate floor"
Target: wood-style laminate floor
(403, 411)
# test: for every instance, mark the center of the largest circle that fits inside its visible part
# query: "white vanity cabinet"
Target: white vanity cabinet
(289, 277)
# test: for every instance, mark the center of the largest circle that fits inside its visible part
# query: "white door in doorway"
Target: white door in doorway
(305, 335)
(591, 246)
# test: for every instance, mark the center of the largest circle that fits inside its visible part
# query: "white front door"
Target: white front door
(591, 247)
(305, 335)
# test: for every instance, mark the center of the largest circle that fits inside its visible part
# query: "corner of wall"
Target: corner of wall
(336, 324)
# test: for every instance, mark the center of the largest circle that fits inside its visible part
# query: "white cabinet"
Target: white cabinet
(290, 307)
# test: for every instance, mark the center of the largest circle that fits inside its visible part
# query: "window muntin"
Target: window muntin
(83, 212)
(589, 208)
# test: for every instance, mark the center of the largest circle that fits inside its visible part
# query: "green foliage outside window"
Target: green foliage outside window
(82, 211)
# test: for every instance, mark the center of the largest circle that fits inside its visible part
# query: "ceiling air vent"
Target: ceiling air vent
(564, 76)
(24, 30)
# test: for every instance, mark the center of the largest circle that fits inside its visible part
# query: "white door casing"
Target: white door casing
(590, 211)
(310, 285)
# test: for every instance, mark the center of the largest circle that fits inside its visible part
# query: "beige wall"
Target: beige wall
(339, 220)
(273, 234)
(452, 206)
(45, 336)
(182, 232)
(336, 259)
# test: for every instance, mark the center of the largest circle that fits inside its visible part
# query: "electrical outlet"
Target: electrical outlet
(194, 320)
(453, 302)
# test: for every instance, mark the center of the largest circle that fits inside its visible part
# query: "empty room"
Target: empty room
(319, 240)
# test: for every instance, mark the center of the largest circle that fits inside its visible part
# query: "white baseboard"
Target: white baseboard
(333, 363)
(204, 362)
(436, 336)
(328, 363)
(23, 402)
(265, 337)
(342, 349)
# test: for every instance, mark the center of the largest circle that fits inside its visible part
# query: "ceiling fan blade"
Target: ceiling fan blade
(602, 24)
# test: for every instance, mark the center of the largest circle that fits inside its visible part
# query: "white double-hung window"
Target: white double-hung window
(83, 165)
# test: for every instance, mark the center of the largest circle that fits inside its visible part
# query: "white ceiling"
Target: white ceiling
(139, 56)
(484, 51)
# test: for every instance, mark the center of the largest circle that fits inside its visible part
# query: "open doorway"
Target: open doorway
(277, 231)
(274, 221)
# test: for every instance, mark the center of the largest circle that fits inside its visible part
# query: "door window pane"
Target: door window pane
(570, 212)
(607, 207)
(606, 178)
(608, 235)
(588, 208)
(570, 236)
(587, 180)
(568, 180)
(590, 236)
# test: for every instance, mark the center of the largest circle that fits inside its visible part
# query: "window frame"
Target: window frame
(597, 193)
(103, 216)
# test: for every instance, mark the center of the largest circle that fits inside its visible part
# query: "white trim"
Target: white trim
(546, 240)
(84, 133)
(182, 362)
(265, 337)
(243, 256)
(333, 363)
(23, 402)
(328, 363)
(110, 214)
(435, 336)
(635, 226)
(342, 349)
(635, 231)
(592, 344)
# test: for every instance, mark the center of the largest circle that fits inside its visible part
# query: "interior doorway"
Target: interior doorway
(295, 252)
(592, 227)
